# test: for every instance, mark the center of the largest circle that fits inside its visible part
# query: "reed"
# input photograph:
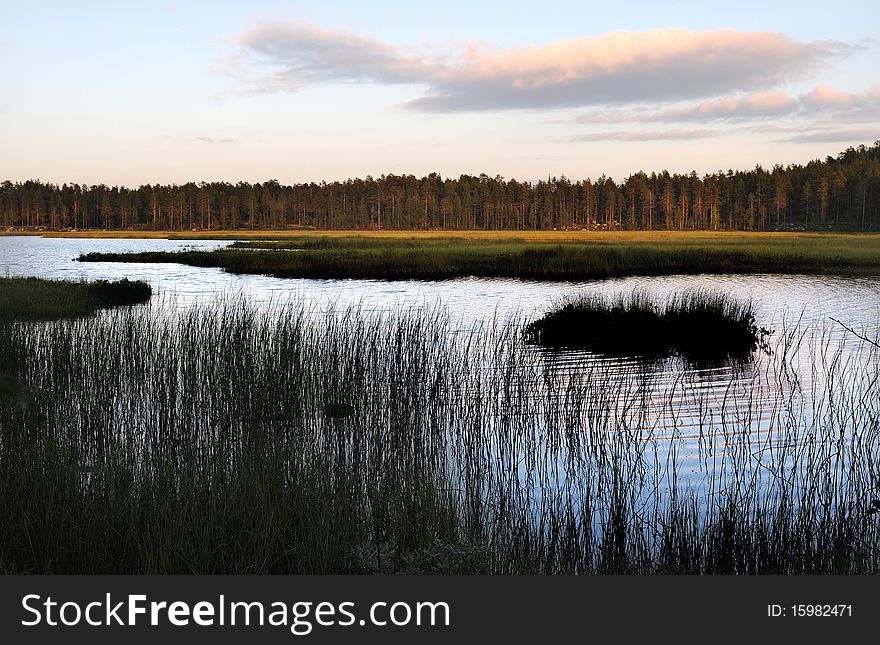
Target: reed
(222, 439)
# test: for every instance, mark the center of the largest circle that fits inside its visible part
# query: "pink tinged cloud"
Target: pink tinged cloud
(625, 67)
(830, 103)
(766, 104)
(823, 101)
(617, 68)
(826, 96)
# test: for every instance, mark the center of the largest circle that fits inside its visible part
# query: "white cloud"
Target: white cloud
(859, 136)
(290, 56)
(647, 135)
(216, 140)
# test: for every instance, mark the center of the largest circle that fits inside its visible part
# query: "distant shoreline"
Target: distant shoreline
(536, 235)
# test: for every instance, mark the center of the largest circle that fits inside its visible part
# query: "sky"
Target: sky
(132, 93)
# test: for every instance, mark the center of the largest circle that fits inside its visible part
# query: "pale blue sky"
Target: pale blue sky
(133, 93)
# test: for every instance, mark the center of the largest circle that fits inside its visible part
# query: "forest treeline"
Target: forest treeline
(839, 193)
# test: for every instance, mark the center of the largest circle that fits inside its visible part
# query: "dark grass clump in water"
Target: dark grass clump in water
(698, 326)
(39, 299)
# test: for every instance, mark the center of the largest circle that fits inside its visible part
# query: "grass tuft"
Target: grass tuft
(39, 299)
(699, 326)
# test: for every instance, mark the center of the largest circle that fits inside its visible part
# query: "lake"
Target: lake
(522, 439)
(682, 398)
(807, 299)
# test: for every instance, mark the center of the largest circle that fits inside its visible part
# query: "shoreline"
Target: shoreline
(526, 236)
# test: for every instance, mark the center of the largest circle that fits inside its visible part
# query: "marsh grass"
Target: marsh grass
(700, 326)
(223, 439)
(39, 299)
(540, 258)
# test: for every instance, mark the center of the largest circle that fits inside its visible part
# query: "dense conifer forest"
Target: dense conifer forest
(839, 193)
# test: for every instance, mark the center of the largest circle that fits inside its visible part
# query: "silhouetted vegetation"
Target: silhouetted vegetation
(585, 258)
(220, 439)
(699, 326)
(38, 299)
(839, 193)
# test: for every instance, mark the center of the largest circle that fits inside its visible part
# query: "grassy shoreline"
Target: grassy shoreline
(543, 258)
(698, 236)
(39, 299)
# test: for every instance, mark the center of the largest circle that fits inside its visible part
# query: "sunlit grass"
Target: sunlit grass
(544, 258)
